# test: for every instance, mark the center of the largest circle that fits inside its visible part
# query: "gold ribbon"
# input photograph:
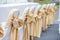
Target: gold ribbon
(14, 31)
(38, 20)
(30, 21)
(26, 35)
(1, 31)
(51, 14)
(28, 26)
(15, 23)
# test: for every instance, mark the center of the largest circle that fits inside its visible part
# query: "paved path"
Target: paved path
(51, 33)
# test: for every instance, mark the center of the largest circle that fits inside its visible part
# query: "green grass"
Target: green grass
(45, 1)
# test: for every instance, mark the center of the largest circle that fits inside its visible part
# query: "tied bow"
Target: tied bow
(15, 23)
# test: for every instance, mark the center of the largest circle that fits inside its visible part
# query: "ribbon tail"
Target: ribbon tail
(32, 32)
(25, 32)
(17, 35)
(13, 34)
(28, 26)
(39, 28)
(44, 23)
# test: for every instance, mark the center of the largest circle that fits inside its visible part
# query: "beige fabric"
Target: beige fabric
(32, 20)
(31, 13)
(28, 24)
(32, 23)
(14, 31)
(44, 22)
(37, 30)
(1, 31)
(15, 23)
(51, 16)
(53, 10)
(44, 18)
(39, 23)
(25, 36)
(10, 18)
(26, 18)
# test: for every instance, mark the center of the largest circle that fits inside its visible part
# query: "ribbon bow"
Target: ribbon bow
(15, 23)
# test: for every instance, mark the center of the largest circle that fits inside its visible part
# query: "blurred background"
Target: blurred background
(34, 1)
(21, 1)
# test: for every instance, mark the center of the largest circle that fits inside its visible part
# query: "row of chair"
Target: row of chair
(35, 19)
